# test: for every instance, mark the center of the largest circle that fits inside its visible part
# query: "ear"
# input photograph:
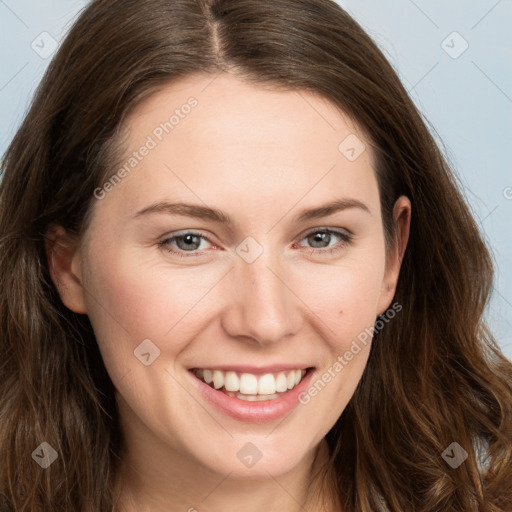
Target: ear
(64, 263)
(395, 254)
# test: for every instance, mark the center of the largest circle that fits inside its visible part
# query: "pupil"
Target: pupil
(319, 237)
(189, 240)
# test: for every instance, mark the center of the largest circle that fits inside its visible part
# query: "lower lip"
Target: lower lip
(253, 412)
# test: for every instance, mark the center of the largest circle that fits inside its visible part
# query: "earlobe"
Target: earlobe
(64, 264)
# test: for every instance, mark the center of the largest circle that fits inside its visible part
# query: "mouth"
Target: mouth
(251, 387)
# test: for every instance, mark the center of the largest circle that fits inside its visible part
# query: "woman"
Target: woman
(237, 273)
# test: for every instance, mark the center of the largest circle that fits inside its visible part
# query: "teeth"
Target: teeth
(251, 386)
(231, 381)
(290, 380)
(256, 398)
(248, 384)
(281, 385)
(218, 379)
(266, 385)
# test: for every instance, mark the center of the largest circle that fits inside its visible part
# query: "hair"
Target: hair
(435, 374)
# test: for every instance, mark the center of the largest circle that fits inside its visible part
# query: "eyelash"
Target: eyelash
(346, 239)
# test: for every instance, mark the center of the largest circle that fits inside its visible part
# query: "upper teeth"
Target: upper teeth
(250, 384)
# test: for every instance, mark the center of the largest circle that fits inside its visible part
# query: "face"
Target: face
(243, 243)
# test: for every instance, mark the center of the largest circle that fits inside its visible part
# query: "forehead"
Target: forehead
(205, 137)
(228, 105)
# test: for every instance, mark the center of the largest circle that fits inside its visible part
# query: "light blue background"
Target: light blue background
(467, 99)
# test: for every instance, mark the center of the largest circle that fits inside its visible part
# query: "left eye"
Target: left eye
(323, 236)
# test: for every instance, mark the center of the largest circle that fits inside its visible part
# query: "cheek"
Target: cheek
(346, 312)
(346, 296)
(121, 306)
(131, 300)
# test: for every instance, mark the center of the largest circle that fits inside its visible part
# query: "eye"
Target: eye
(186, 242)
(321, 238)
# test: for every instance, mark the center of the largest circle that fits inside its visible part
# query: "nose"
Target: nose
(262, 305)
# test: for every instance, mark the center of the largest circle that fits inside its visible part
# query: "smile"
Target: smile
(250, 394)
(251, 387)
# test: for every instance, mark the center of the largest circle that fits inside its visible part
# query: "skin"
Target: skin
(261, 156)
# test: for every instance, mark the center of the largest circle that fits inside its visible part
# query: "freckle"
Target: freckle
(341, 311)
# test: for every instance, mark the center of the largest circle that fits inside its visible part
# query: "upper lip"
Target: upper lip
(256, 370)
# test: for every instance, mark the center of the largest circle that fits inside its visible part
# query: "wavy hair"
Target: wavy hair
(435, 374)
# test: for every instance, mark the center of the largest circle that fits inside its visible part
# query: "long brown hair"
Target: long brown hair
(435, 374)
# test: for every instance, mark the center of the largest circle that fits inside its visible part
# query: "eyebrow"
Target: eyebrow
(216, 215)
